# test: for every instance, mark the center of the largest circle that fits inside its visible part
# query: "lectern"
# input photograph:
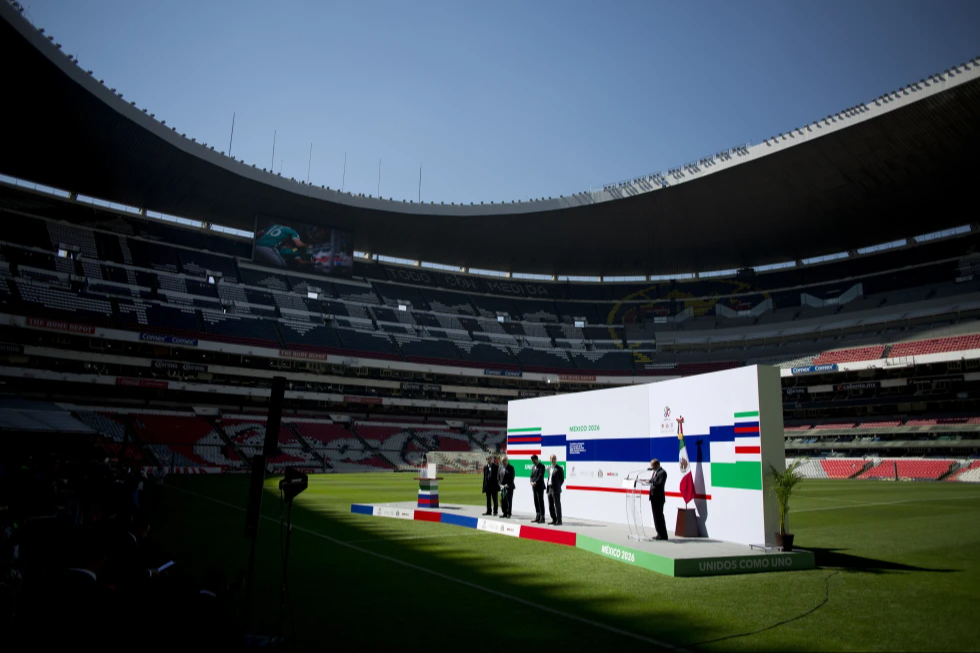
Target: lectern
(636, 501)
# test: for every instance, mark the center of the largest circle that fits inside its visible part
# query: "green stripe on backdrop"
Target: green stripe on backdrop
(623, 554)
(522, 468)
(746, 475)
(536, 428)
(748, 413)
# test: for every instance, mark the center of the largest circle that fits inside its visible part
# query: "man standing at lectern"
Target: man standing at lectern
(658, 483)
(556, 478)
(491, 486)
(537, 487)
(506, 478)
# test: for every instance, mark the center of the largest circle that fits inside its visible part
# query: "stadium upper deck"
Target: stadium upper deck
(857, 178)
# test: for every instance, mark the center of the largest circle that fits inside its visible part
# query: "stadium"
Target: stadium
(152, 287)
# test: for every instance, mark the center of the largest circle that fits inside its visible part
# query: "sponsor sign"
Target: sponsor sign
(795, 391)
(859, 385)
(59, 325)
(422, 387)
(10, 349)
(577, 378)
(528, 393)
(308, 355)
(186, 367)
(141, 383)
(929, 380)
(502, 528)
(397, 513)
(168, 340)
(354, 399)
(814, 369)
(511, 373)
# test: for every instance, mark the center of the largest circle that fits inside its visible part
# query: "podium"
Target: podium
(636, 502)
(428, 486)
(687, 523)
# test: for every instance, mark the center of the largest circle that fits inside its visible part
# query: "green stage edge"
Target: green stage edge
(690, 567)
(681, 567)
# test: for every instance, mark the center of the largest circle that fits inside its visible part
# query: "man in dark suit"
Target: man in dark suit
(658, 483)
(556, 478)
(506, 478)
(537, 487)
(491, 485)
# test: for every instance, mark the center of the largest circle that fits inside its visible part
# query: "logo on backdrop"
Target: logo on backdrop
(600, 473)
(667, 426)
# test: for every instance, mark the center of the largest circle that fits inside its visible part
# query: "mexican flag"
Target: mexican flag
(687, 478)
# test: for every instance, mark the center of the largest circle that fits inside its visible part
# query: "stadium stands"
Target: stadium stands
(842, 467)
(850, 355)
(969, 473)
(935, 346)
(908, 469)
(809, 469)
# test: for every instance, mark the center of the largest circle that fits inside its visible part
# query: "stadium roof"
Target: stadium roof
(899, 165)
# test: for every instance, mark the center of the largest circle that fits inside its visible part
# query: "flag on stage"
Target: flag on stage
(687, 478)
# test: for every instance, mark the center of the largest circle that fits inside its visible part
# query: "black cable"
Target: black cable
(780, 623)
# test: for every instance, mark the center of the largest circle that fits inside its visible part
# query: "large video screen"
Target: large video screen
(303, 247)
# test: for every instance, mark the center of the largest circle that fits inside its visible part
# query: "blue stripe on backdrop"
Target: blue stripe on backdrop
(553, 440)
(362, 510)
(664, 448)
(459, 520)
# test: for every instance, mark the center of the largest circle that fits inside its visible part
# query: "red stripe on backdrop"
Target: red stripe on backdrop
(527, 452)
(537, 439)
(746, 429)
(748, 449)
(547, 535)
(623, 490)
(422, 515)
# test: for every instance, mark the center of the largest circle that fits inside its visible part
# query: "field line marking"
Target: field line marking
(885, 503)
(431, 572)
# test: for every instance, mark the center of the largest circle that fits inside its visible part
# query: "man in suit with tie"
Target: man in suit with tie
(491, 485)
(658, 483)
(506, 478)
(556, 478)
(537, 487)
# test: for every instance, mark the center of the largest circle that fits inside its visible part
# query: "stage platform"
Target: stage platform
(677, 556)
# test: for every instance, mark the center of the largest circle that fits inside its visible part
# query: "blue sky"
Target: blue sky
(504, 100)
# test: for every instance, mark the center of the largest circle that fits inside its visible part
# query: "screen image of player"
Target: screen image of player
(305, 247)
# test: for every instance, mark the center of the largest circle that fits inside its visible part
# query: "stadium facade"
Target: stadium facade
(841, 251)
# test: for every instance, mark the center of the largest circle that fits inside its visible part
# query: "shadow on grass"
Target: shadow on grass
(358, 582)
(838, 559)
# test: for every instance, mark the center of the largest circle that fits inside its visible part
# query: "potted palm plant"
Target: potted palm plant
(783, 484)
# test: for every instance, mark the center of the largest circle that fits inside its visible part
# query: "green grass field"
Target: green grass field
(900, 562)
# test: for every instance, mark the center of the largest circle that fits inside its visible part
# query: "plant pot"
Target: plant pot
(784, 541)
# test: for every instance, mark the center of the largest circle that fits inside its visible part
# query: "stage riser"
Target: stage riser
(686, 567)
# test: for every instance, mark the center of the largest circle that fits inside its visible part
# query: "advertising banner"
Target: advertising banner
(513, 373)
(815, 369)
